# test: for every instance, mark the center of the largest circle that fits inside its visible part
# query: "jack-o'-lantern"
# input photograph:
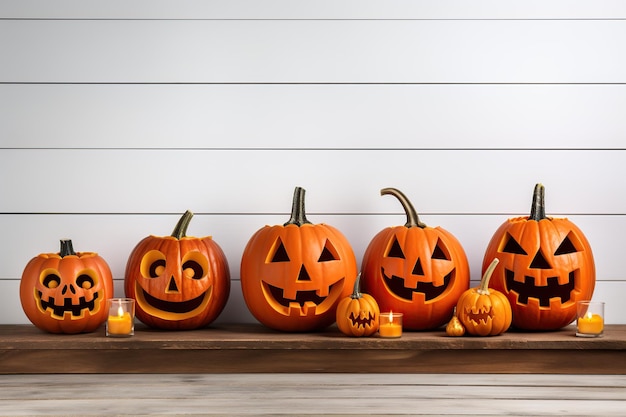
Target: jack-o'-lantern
(358, 314)
(66, 292)
(294, 275)
(484, 311)
(416, 270)
(179, 282)
(546, 266)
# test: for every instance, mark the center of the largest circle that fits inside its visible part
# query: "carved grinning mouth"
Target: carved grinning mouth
(172, 310)
(480, 315)
(395, 284)
(76, 310)
(172, 306)
(304, 299)
(359, 321)
(552, 289)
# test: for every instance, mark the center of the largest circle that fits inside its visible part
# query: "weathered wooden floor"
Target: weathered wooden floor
(312, 394)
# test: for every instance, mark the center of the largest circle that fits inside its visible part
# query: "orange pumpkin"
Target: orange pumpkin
(179, 282)
(483, 311)
(358, 314)
(416, 270)
(66, 292)
(294, 275)
(546, 266)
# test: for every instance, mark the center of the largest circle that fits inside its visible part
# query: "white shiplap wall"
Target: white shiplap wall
(117, 117)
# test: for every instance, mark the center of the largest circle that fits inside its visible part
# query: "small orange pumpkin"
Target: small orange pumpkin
(179, 282)
(546, 266)
(484, 311)
(358, 314)
(294, 275)
(66, 292)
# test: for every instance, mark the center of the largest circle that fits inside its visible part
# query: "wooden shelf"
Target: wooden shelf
(254, 348)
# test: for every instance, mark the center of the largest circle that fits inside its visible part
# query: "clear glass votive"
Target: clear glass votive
(390, 325)
(121, 319)
(589, 318)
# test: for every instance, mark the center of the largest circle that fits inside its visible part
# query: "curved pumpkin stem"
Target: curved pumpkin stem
(298, 215)
(180, 230)
(356, 292)
(412, 220)
(484, 282)
(66, 248)
(538, 208)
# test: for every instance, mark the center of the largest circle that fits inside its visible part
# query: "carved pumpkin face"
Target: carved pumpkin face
(358, 314)
(178, 282)
(66, 292)
(483, 311)
(416, 270)
(546, 266)
(294, 275)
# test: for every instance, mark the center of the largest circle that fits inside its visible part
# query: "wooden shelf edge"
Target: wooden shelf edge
(252, 348)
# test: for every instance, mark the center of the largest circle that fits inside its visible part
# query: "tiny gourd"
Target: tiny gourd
(454, 327)
(484, 311)
(358, 314)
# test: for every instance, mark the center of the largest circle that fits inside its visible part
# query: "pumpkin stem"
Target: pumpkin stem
(298, 216)
(180, 230)
(538, 208)
(66, 248)
(412, 220)
(356, 292)
(484, 282)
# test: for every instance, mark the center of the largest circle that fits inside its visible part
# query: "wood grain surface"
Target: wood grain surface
(312, 394)
(253, 348)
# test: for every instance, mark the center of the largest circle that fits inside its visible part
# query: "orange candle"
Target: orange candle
(591, 324)
(121, 317)
(390, 325)
(120, 324)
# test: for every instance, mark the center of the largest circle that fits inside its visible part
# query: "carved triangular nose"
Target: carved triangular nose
(539, 262)
(172, 287)
(303, 275)
(417, 269)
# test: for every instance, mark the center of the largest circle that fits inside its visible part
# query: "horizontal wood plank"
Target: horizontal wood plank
(25, 349)
(337, 181)
(300, 51)
(322, 9)
(313, 394)
(312, 116)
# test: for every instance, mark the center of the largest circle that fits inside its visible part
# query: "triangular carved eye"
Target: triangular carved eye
(567, 246)
(439, 252)
(512, 246)
(395, 251)
(280, 254)
(329, 253)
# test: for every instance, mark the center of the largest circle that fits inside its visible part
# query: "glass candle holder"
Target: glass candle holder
(589, 318)
(390, 325)
(121, 319)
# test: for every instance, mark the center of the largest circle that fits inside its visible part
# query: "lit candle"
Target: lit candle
(390, 325)
(120, 324)
(590, 324)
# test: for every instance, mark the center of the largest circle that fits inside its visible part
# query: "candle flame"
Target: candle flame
(588, 315)
(120, 311)
(391, 317)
